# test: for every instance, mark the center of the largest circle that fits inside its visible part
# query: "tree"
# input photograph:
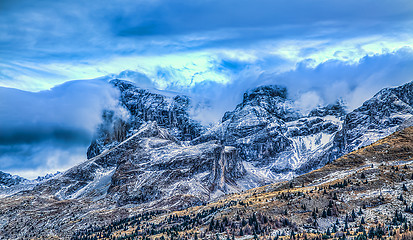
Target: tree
(346, 224)
(324, 215)
(353, 215)
(329, 213)
(211, 225)
(404, 187)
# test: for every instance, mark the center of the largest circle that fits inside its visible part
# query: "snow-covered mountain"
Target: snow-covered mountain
(272, 137)
(12, 184)
(170, 112)
(153, 167)
(377, 118)
(7, 180)
(155, 154)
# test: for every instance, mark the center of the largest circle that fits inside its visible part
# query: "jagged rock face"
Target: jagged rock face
(152, 166)
(158, 167)
(271, 134)
(7, 180)
(110, 132)
(378, 117)
(168, 112)
(337, 109)
(171, 113)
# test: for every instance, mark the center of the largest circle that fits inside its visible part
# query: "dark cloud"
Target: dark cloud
(57, 120)
(66, 30)
(181, 17)
(38, 37)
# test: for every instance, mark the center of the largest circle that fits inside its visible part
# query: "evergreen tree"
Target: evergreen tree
(404, 187)
(329, 213)
(353, 215)
(324, 215)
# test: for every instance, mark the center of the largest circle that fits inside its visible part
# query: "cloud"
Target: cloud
(39, 158)
(43, 129)
(45, 43)
(354, 82)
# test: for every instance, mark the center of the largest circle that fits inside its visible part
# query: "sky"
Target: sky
(322, 50)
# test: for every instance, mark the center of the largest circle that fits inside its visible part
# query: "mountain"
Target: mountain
(170, 112)
(376, 118)
(272, 136)
(159, 154)
(366, 194)
(7, 180)
(153, 167)
(155, 157)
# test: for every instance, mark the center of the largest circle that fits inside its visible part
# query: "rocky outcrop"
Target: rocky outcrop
(151, 167)
(269, 132)
(171, 113)
(7, 180)
(377, 118)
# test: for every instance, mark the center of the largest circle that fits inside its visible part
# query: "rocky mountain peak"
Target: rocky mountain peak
(265, 102)
(169, 112)
(337, 109)
(265, 91)
(403, 93)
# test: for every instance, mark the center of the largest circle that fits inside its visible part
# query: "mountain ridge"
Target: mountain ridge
(141, 165)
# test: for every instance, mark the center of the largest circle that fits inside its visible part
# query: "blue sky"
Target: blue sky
(321, 50)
